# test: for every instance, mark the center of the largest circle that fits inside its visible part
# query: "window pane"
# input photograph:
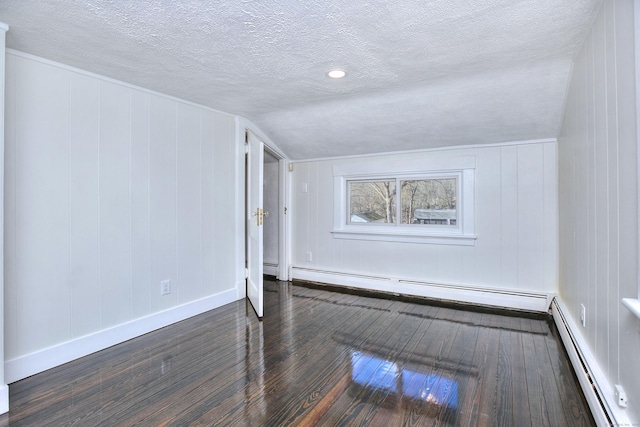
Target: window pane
(429, 201)
(372, 201)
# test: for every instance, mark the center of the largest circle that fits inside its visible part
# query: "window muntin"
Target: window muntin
(424, 201)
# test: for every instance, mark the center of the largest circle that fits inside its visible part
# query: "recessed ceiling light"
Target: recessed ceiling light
(336, 74)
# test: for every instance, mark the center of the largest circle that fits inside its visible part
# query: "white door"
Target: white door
(255, 168)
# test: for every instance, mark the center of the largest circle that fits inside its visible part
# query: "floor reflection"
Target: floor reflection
(430, 388)
(254, 367)
(373, 372)
(406, 386)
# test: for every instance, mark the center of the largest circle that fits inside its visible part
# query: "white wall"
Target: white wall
(515, 221)
(109, 190)
(599, 196)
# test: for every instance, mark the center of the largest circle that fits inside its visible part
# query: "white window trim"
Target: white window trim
(462, 167)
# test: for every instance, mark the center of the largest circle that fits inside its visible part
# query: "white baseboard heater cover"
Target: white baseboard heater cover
(503, 298)
(597, 391)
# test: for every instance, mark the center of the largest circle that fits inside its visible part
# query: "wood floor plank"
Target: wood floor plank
(573, 404)
(463, 351)
(520, 396)
(485, 359)
(535, 391)
(553, 404)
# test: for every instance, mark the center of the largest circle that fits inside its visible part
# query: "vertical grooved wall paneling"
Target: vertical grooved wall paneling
(325, 249)
(42, 208)
(140, 245)
(207, 177)
(509, 266)
(10, 218)
(114, 212)
(598, 199)
(314, 209)
(601, 195)
(515, 221)
(550, 214)
(84, 252)
(224, 194)
(613, 205)
(189, 247)
(488, 259)
(162, 201)
(530, 193)
(110, 189)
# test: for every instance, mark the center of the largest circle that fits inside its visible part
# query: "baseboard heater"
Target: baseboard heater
(601, 411)
(460, 293)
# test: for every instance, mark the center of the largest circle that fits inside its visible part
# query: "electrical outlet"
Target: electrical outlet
(621, 396)
(165, 287)
(309, 256)
(583, 315)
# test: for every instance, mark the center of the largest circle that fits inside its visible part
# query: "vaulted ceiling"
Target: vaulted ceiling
(420, 74)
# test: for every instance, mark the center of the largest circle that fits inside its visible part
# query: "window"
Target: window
(417, 201)
(423, 200)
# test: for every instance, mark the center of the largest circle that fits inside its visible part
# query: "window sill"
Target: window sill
(633, 305)
(406, 237)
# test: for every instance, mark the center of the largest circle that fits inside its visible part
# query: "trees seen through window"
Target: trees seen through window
(427, 201)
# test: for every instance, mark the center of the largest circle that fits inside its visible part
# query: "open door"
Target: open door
(255, 169)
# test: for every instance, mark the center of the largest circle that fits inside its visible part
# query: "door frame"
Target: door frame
(282, 270)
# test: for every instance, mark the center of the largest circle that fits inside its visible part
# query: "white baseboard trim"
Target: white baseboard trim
(270, 269)
(4, 399)
(503, 298)
(595, 386)
(24, 366)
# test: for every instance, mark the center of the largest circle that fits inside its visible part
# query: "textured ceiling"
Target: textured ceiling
(420, 74)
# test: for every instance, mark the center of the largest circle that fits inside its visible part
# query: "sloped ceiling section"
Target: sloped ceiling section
(420, 74)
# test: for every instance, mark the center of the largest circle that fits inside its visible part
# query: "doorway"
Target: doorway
(271, 201)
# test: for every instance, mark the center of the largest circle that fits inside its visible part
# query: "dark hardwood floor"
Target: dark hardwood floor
(318, 358)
